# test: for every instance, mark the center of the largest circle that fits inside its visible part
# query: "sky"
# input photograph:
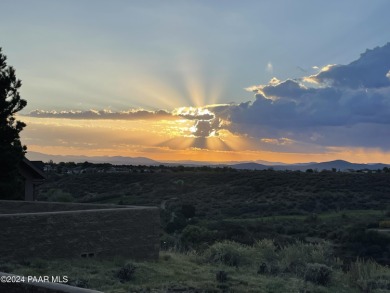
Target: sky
(214, 81)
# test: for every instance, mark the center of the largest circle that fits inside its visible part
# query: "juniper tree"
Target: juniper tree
(11, 148)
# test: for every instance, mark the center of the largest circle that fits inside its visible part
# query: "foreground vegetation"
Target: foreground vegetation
(223, 267)
(329, 230)
(201, 206)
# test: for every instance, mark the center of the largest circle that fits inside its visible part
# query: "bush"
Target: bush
(265, 252)
(323, 253)
(195, 235)
(368, 276)
(262, 268)
(126, 273)
(56, 195)
(266, 249)
(295, 257)
(221, 276)
(318, 274)
(229, 253)
(168, 242)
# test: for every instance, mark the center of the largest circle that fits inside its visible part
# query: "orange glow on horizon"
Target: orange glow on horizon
(204, 155)
(170, 140)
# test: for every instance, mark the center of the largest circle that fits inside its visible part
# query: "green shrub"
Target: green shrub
(318, 274)
(266, 250)
(194, 235)
(166, 257)
(368, 276)
(293, 258)
(126, 273)
(221, 276)
(322, 253)
(262, 268)
(265, 253)
(229, 253)
(168, 242)
(57, 195)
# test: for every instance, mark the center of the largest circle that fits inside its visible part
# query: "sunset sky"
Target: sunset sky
(281, 81)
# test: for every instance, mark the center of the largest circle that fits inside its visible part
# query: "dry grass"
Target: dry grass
(198, 271)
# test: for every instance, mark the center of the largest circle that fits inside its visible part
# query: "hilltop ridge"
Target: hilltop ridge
(339, 165)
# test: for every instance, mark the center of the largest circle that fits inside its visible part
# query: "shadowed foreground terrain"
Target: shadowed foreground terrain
(202, 205)
(223, 267)
(327, 231)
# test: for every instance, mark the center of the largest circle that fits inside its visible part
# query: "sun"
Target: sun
(205, 121)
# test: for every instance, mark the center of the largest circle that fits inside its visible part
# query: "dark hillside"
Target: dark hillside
(233, 193)
(202, 205)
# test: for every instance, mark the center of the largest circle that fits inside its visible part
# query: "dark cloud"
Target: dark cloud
(103, 114)
(208, 116)
(285, 89)
(369, 71)
(346, 105)
(202, 128)
(205, 122)
(121, 115)
(206, 128)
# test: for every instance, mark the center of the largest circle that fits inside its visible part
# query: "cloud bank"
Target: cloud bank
(102, 114)
(205, 122)
(342, 105)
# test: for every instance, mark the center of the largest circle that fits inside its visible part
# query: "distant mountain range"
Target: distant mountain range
(258, 165)
(116, 160)
(119, 160)
(339, 165)
(226, 163)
